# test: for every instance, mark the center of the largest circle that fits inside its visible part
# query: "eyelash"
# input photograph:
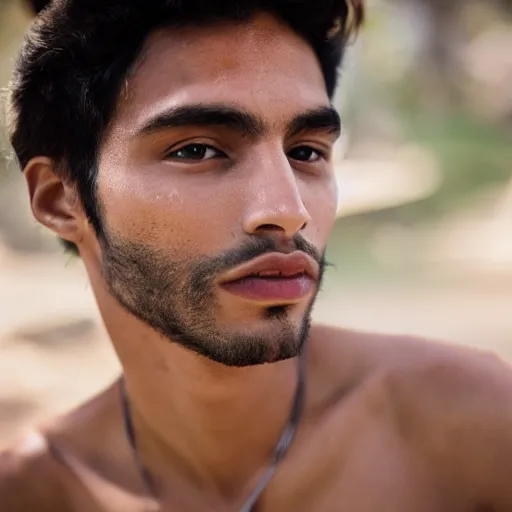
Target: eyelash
(321, 155)
(206, 147)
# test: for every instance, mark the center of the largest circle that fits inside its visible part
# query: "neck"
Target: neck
(217, 426)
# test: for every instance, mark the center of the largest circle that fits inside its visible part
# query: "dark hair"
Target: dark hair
(78, 52)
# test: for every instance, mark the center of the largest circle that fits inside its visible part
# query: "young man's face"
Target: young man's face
(184, 202)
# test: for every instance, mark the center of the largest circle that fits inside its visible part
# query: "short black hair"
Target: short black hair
(77, 54)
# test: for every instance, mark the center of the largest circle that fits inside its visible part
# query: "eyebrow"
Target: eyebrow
(324, 119)
(205, 115)
(240, 120)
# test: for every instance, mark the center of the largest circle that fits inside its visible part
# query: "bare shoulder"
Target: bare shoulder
(410, 367)
(430, 385)
(360, 356)
(454, 408)
(37, 473)
(29, 479)
(435, 386)
(441, 374)
(451, 406)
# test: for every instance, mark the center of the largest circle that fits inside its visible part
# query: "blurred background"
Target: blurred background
(423, 242)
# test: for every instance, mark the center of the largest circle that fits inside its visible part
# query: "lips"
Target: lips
(273, 278)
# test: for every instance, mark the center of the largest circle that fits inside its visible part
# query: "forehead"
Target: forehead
(260, 64)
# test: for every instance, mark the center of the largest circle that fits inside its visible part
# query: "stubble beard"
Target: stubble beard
(177, 299)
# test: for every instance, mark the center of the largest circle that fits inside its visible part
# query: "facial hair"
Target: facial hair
(177, 299)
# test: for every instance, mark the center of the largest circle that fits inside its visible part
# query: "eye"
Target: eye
(195, 152)
(305, 154)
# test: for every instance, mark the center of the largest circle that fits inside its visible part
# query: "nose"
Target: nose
(275, 202)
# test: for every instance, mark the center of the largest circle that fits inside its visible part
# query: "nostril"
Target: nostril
(270, 227)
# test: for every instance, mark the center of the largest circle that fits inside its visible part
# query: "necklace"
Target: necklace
(280, 449)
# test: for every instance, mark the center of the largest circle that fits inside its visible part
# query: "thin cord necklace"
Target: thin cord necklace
(280, 450)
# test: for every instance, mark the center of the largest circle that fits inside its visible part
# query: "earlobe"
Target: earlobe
(53, 201)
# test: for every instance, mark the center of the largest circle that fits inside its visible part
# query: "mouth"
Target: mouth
(274, 279)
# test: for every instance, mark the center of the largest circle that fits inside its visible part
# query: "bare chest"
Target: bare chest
(365, 486)
(359, 466)
(367, 470)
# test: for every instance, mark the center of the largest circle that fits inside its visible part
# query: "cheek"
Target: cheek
(321, 201)
(178, 214)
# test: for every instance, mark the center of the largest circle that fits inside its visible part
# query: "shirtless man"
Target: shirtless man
(184, 148)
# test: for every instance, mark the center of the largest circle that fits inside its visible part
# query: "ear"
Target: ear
(54, 202)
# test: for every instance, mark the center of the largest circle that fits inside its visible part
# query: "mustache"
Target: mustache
(259, 246)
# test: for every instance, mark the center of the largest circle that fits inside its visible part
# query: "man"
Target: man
(184, 148)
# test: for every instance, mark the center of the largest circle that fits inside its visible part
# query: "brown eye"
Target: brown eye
(305, 154)
(195, 152)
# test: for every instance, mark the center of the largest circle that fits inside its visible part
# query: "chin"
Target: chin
(262, 318)
(273, 323)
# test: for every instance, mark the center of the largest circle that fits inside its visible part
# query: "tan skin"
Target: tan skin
(389, 424)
